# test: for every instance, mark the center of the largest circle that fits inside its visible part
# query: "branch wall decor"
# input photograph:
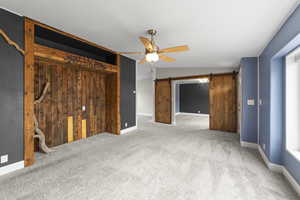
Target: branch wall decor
(39, 133)
(10, 42)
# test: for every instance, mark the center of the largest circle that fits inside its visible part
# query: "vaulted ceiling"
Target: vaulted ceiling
(218, 32)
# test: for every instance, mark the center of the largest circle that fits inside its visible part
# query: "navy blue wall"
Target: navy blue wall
(177, 98)
(249, 91)
(194, 98)
(11, 88)
(271, 87)
(128, 88)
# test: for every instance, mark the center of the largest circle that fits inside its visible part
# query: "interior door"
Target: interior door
(163, 101)
(223, 102)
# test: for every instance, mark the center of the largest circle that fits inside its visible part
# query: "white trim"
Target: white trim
(291, 180)
(272, 166)
(249, 145)
(11, 11)
(128, 129)
(283, 21)
(193, 114)
(295, 154)
(178, 113)
(12, 167)
(145, 114)
(159, 123)
(280, 169)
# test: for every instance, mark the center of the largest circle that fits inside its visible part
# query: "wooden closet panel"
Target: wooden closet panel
(222, 94)
(70, 89)
(163, 101)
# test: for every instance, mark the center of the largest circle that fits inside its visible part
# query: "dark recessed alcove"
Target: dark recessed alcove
(52, 39)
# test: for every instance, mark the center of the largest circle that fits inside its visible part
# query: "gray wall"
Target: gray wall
(11, 89)
(194, 98)
(145, 97)
(128, 96)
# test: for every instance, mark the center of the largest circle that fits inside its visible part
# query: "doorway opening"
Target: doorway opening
(191, 103)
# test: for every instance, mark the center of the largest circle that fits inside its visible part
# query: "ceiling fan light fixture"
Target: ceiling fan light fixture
(152, 57)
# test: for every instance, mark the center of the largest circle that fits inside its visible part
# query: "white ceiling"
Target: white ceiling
(218, 32)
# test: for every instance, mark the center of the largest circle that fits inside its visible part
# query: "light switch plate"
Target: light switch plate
(4, 159)
(126, 124)
(199, 111)
(251, 102)
(134, 91)
(83, 108)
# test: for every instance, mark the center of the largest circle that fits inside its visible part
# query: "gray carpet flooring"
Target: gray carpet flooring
(156, 162)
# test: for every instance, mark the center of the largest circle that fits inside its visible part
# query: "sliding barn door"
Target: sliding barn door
(223, 105)
(163, 101)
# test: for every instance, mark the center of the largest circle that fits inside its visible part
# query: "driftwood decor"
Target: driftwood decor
(39, 133)
(10, 42)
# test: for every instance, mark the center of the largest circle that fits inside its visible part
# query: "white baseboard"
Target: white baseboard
(12, 167)
(280, 169)
(128, 130)
(249, 145)
(291, 180)
(274, 167)
(145, 114)
(159, 123)
(178, 113)
(193, 114)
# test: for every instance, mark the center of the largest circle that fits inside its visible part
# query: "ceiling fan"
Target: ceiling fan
(152, 51)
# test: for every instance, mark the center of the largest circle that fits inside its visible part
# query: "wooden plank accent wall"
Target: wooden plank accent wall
(163, 101)
(223, 103)
(74, 81)
(70, 89)
(65, 57)
(29, 94)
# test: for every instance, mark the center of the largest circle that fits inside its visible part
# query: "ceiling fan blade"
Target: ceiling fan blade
(142, 61)
(174, 49)
(147, 43)
(137, 52)
(167, 58)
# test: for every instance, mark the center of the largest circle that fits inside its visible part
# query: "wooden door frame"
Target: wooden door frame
(173, 79)
(32, 50)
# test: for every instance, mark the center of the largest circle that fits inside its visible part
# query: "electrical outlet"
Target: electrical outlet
(83, 108)
(199, 111)
(134, 92)
(4, 159)
(264, 146)
(126, 124)
(251, 102)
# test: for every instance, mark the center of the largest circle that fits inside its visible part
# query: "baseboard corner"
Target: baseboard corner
(127, 130)
(11, 168)
(249, 145)
(291, 180)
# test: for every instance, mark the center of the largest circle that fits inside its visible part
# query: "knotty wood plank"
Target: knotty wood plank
(78, 61)
(222, 94)
(163, 101)
(29, 94)
(70, 129)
